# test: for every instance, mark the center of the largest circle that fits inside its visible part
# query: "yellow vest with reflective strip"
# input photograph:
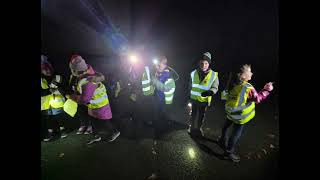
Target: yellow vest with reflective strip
(147, 87)
(51, 100)
(99, 98)
(199, 87)
(237, 108)
(170, 93)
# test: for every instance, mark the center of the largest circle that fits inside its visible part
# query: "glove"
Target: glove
(268, 86)
(207, 93)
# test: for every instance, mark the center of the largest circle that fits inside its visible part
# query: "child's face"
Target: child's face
(204, 65)
(246, 74)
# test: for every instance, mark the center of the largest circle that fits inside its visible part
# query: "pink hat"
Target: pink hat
(77, 63)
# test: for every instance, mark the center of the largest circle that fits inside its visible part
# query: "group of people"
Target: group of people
(86, 88)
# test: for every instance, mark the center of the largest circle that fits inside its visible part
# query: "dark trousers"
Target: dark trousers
(54, 121)
(136, 122)
(44, 129)
(198, 114)
(235, 135)
(99, 125)
(160, 119)
(82, 114)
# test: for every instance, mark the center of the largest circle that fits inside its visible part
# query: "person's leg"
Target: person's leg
(163, 120)
(115, 133)
(61, 118)
(202, 115)
(197, 118)
(233, 140)
(235, 136)
(193, 118)
(157, 120)
(44, 128)
(138, 124)
(50, 127)
(95, 126)
(82, 115)
(88, 122)
(223, 138)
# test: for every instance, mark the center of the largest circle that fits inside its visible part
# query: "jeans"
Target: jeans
(235, 135)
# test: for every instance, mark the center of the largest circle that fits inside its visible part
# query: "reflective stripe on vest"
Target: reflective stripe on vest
(237, 108)
(147, 87)
(170, 93)
(99, 98)
(199, 87)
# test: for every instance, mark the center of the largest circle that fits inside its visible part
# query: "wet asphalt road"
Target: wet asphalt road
(177, 155)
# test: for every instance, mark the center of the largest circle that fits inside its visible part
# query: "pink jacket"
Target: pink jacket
(88, 89)
(257, 97)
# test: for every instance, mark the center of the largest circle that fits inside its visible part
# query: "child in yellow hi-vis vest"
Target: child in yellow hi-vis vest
(240, 109)
(52, 101)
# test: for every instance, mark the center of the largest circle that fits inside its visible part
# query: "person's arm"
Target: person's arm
(213, 90)
(215, 86)
(258, 97)
(161, 86)
(87, 93)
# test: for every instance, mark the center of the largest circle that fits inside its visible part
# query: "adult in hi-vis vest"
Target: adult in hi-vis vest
(161, 86)
(203, 85)
(240, 109)
(52, 101)
(92, 93)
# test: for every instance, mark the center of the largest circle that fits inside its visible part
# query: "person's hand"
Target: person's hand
(268, 86)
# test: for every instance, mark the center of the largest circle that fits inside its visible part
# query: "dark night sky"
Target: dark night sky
(235, 31)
